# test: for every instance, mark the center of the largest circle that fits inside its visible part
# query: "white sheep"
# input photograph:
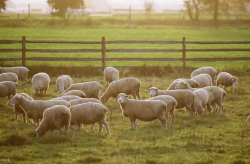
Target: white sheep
(7, 88)
(184, 98)
(21, 72)
(75, 93)
(248, 119)
(111, 74)
(63, 82)
(142, 110)
(200, 101)
(227, 80)
(34, 109)
(9, 76)
(54, 118)
(205, 70)
(84, 100)
(91, 89)
(126, 85)
(40, 82)
(67, 98)
(191, 82)
(204, 80)
(88, 113)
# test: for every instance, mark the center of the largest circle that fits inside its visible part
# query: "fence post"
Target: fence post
(129, 17)
(103, 54)
(23, 51)
(18, 19)
(184, 52)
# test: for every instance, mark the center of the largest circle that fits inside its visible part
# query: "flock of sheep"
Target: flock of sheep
(79, 103)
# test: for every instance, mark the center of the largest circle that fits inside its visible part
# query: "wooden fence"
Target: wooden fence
(103, 50)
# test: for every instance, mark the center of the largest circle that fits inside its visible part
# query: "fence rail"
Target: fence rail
(103, 50)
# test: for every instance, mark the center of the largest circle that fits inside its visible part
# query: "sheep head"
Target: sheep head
(153, 91)
(122, 97)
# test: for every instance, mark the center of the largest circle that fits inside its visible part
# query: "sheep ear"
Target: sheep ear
(126, 96)
(156, 89)
(149, 89)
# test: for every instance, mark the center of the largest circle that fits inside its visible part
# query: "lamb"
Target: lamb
(248, 119)
(8, 77)
(67, 98)
(205, 70)
(111, 74)
(142, 110)
(75, 93)
(63, 82)
(200, 101)
(84, 100)
(88, 113)
(227, 80)
(40, 82)
(204, 80)
(34, 109)
(184, 98)
(55, 117)
(91, 89)
(21, 72)
(18, 109)
(126, 85)
(191, 82)
(7, 88)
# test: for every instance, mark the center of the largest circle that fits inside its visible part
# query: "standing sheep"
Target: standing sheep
(204, 80)
(126, 85)
(8, 77)
(88, 113)
(191, 82)
(111, 74)
(227, 80)
(40, 82)
(200, 101)
(63, 82)
(7, 88)
(21, 72)
(205, 70)
(55, 117)
(75, 93)
(142, 110)
(248, 119)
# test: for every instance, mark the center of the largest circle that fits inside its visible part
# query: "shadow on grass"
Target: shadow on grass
(15, 139)
(54, 139)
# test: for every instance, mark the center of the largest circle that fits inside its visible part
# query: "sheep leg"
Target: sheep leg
(134, 95)
(172, 115)
(26, 81)
(137, 121)
(80, 128)
(163, 123)
(92, 127)
(24, 118)
(100, 127)
(214, 108)
(225, 89)
(232, 88)
(45, 91)
(189, 110)
(75, 128)
(106, 126)
(132, 121)
(138, 94)
(208, 107)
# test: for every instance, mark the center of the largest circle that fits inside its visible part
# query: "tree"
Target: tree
(2, 5)
(63, 6)
(148, 7)
(194, 8)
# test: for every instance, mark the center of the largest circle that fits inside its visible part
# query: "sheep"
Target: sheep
(142, 110)
(21, 72)
(204, 80)
(191, 82)
(184, 98)
(34, 109)
(84, 100)
(7, 88)
(55, 117)
(40, 82)
(111, 74)
(91, 89)
(205, 70)
(227, 80)
(216, 94)
(200, 101)
(67, 98)
(74, 92)
(63, 82)
(88, 113)
(126, 85)
(248, 119)
(8, 77)
(18, 109)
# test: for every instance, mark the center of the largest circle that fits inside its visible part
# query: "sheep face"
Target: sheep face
(235, 80)
(181, 85)
(39, 132)
(38, 89)
(16, 100)
(122, 97)
(199, 111)
(153, 91)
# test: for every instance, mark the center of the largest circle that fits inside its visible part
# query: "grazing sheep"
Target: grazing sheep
(40, 82)
(248, 119)
(148, 110)
(7, 88)
(88, 113)
(21, 72)
(91, 89)
(34, 109)
(227, 80)
(204, 80)
(111, 74)
(184, 98)
(63, 82)
(126, 85)
(55, 117)
(200, 101)
(67, 98)
(205, 70)
(75, 93)
(84, 100)
(18, 109)
(191, 82)
(8, 77)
